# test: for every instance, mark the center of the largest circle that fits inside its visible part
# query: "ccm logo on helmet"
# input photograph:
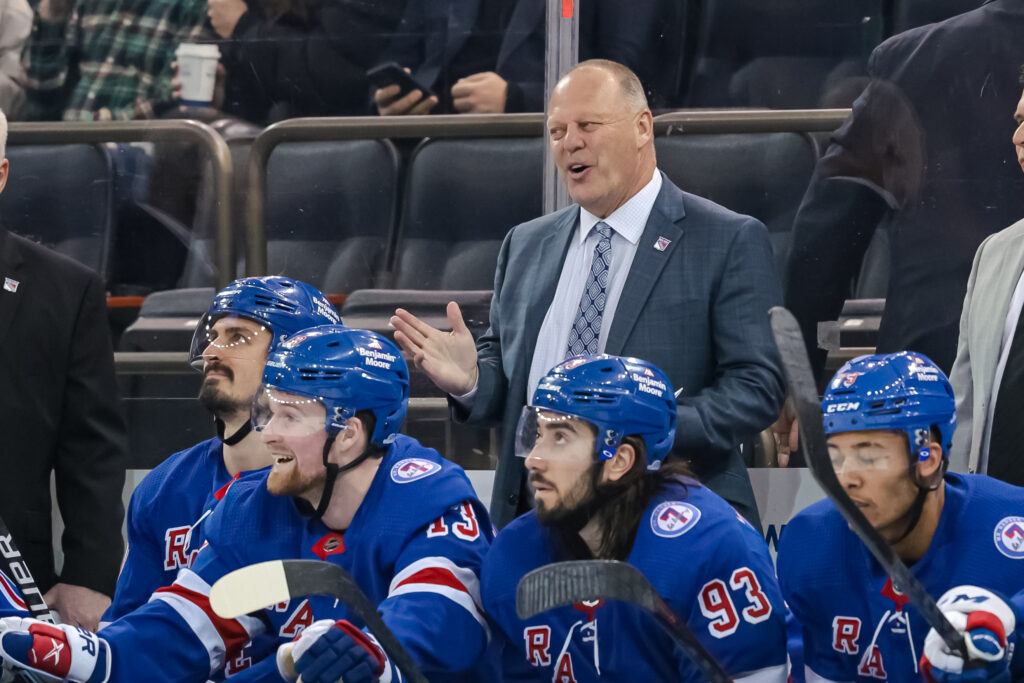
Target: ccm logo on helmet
(842, 407)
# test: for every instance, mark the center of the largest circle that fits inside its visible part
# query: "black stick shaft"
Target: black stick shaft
(17, 569)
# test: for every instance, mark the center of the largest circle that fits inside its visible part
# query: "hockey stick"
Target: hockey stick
(17, 569)
(257, 586)
(566, 583)
(812, 434)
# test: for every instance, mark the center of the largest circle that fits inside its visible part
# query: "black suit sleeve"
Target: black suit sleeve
(871, 167)
(91, 452)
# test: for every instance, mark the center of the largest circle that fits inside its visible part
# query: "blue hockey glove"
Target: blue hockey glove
(987, 622)
(54, 653)
(328, 651)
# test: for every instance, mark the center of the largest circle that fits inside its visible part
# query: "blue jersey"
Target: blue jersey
(165, 506)
(711, 567)
(415, 547)
(12, 603)
(855, 626)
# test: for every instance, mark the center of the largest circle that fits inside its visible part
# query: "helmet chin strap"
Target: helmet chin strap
(913, 515)
(333, 470)
(240, 434)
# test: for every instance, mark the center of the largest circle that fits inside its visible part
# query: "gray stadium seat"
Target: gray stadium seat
(763, 175)
(461, 197)
(62, 196)
(908, 14)
(330, 212)
(782, 54)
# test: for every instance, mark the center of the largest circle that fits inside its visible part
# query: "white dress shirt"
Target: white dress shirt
(1009, 327)
(627, 223)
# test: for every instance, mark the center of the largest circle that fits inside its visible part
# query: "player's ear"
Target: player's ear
(927, 468)
(352, 438)
(621, 463)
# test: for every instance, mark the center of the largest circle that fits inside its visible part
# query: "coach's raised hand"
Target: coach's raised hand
(447, 358)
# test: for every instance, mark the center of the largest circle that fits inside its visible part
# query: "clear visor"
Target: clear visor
(866, 460)
(226, 337)
(287, 414)
(546, 433)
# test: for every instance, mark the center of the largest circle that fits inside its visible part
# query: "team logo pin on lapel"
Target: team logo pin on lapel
(10, 284)
(662, 243)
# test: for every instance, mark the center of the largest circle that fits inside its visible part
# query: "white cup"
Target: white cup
(197, 69)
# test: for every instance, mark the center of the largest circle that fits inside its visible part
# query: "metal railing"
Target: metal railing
(710, 121)
(90, 132)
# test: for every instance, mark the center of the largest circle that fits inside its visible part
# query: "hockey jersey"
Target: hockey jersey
(856, 626)
(711, 567)
(415, 547)
(12, 603)
(164, 509)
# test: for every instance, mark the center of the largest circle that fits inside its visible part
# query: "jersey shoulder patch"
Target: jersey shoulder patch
(674, 518)
(1009, 537)
(413, 469)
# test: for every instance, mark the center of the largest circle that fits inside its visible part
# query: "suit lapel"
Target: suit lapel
(648, 262)
(550, 257)
(526, 15)
(11, 266)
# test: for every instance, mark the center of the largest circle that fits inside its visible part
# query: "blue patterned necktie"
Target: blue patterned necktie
(586, 328)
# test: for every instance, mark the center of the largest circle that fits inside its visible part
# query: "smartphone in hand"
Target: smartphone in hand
(391, 74)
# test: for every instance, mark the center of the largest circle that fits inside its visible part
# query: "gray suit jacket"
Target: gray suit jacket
(998, 264)
(698, 310)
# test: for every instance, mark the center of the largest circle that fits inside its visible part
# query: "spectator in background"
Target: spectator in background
(988, 373)
(15, 25)
(924, 157)
(106, 60)
(59, 414)
(488, 57)
(287, 58)
(636, 267)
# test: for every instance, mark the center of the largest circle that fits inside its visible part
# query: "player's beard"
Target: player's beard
(294, 484)
(577, 506)
(218, 401)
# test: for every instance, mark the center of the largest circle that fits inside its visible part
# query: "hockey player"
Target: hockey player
(594, 438)
(890, 421)
(246, 320)
(345, 488)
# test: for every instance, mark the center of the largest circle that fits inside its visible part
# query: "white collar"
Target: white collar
(629, 219)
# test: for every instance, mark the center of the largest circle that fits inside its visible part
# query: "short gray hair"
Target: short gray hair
(3, 135)
(629, 83)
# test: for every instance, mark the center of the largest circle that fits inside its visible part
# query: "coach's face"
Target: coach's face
(600, 144)
(1018, 135)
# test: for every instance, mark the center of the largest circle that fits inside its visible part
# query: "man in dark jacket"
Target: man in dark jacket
(59, 413)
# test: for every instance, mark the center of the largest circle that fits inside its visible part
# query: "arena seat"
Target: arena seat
(782, 54)
(330, 212)
(908, 14)
(62, 196)
(763, 175)
(461, 197)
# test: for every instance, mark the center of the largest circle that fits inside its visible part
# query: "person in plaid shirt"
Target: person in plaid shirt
(97, 60)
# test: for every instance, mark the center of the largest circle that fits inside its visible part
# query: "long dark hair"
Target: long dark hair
(618, 506)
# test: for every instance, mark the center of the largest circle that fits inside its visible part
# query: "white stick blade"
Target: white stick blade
(249, 589)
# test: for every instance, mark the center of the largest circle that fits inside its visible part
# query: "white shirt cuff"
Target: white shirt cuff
(466, 400)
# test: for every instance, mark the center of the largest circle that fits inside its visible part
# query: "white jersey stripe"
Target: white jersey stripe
(199, 623)
(460, 598)
(467, 577)
(771, 674)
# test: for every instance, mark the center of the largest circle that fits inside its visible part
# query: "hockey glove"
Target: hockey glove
(54, 653)
(988, 624)
(328, 651)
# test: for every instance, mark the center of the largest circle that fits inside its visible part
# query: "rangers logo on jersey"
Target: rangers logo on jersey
(674, 518)
(413, 469)
(1009, 537)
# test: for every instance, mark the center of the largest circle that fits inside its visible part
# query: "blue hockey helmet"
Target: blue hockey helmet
(902, 391)
(344, 369)
(281, 304)
(619, 396)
